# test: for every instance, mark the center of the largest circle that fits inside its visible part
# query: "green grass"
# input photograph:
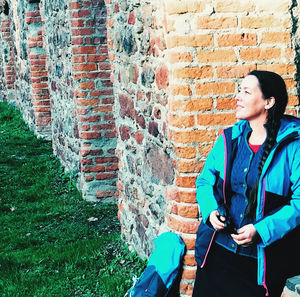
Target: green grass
(48, 246)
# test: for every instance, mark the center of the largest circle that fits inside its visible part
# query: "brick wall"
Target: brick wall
(198, 53)
(55, 69)
(211, 46)
(7, 54)
(136, 92)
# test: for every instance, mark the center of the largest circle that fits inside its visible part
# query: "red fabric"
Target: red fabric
(254, 147)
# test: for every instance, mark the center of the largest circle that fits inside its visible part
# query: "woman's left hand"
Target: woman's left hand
(245, 235)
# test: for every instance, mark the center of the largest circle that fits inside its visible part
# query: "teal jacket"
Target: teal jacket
(278, 201)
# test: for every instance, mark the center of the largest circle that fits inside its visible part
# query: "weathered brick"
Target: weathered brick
(162, 77)
(281, 69)
(184, 90)
(185, 152)
(257, 54)
(189, 274)
(87, 85)
(175, 57)
(201, 72)
(206, 56)
(243, 39)
(192, 136)
(213, 88)
(179, 7)
(186, 289)
(84, 50)
(181, 121)
(236, 71)
(275, 37)
(232, 6)
(192, 41)
(185, 226)
(269, 21)
(189, 166)
(216, 119)
(191, 105)
(90, 135)
(185, 181)
(209, 22)
(189, 260)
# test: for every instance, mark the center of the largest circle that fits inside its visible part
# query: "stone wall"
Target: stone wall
(136, 92)
(140, 77)
(56, 70)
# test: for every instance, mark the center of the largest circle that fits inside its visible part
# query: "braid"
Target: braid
(272, 133)
(272, 85)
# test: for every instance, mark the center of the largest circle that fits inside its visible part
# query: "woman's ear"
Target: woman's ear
(269, 103)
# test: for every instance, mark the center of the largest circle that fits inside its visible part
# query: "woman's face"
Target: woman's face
(250, 103)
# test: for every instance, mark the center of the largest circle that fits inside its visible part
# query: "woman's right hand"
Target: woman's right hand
(216, 220)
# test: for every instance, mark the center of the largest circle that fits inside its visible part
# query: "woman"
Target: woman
(249, 197)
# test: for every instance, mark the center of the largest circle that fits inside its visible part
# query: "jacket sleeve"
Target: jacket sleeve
(206, 180)
(275, 226)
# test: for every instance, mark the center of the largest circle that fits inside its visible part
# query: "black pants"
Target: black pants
(226, 274)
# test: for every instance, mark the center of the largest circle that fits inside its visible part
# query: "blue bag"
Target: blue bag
(162, 268)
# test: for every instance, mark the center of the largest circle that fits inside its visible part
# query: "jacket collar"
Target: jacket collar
(290, 127)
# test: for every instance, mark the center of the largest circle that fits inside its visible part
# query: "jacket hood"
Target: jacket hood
(290, 125)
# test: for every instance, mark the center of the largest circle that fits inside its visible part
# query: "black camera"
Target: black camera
(224, 212)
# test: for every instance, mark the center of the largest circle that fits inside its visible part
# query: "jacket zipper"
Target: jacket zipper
(224, 183)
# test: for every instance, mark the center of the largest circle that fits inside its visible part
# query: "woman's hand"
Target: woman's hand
(216, 220)
(245, 235)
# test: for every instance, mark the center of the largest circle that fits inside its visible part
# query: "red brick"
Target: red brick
(84, 50)
(87, 85)
(233, 6)
(96, 58)
(206, 56)
(185, 152)
(131, 18)
(192, 41)
(216, 119)
(187, 196)
(235, 71)
(281, 69)
(98, 168)
(161, 77)
(275, 37)
(75, 5)
(105, 176)
(226, 103)
(188, 211)
(210, 22)
(243, 39)
(186, 289)
(185, 226)
(213, 88)
(181, 121)
(175, 57)
(184, 90)
(90, 135)
(101, 194)
(189, 166)
(189, 274)
(257, 54)
(185, 181)
(197, 136)
(85, 67)
(180, 7)
(191, 105)
(196, 73)
(269, 21)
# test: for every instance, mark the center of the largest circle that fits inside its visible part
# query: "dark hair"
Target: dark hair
(271, 85)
